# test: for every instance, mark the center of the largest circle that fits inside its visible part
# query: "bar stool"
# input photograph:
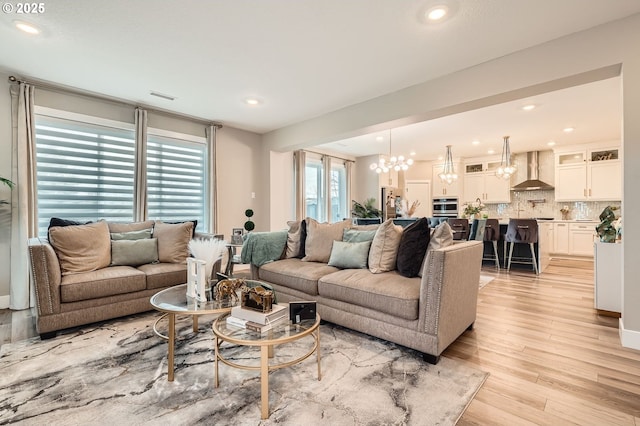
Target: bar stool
(492, 235)
(477, 230)
(460, 228)
(522, 231)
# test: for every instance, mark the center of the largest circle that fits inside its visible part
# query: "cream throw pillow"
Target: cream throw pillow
(441, 236)
(173, 241)
(81, 248)
(384, 248)
(320, 238)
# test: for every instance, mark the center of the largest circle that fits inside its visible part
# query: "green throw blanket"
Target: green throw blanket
(263, 247)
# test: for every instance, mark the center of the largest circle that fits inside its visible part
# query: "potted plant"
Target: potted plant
(9, 184)
(366, 209)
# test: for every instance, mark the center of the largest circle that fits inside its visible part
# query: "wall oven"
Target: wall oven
(445, 207)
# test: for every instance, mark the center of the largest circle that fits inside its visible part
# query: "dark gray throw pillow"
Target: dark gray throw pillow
(412, 249)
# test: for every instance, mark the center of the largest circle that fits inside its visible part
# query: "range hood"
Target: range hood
(532, 183)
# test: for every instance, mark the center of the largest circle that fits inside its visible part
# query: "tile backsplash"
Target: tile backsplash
(542, 204)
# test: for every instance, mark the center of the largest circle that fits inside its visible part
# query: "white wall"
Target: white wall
(5, 194)
(579, 58)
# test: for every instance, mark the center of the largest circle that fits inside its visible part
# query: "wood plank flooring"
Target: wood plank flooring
(552, 359)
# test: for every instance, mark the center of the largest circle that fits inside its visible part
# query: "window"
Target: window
(176, 179)
(84, 171)
(326, 188)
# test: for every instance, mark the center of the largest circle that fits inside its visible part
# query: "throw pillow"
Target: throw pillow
(173, 241)
(116, 227)
(132, 235)
(442, 236)
(357, 236)
(294, 236)
(56, 221)
(134, 252)
(81, 248)
(413, 247)
(303, 238)
(349, 255)
(195, 225)
(384, 247)
(320, 238)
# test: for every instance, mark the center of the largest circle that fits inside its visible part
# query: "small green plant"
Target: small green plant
(366, 209)
(249, 225)
(9, 184)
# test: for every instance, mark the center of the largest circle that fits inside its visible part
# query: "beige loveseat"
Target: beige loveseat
(76, 280)
(425, 313)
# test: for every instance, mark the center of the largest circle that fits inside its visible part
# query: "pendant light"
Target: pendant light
(506, 169)
(448, 174)
(396, 163)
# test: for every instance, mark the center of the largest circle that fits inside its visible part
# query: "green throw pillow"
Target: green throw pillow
(346, 255)
(132, 235)
(356, 236)
(134, 252)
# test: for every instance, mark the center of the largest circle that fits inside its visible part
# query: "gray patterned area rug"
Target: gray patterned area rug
(116, 373)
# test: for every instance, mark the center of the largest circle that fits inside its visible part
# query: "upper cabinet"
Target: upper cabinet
(481, 182)
(440, 189)
(589, 174)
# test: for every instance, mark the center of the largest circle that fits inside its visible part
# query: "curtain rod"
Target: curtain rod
(72, 90)
(328, 155)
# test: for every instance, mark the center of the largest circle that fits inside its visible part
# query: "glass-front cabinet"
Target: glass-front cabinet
(589, 174)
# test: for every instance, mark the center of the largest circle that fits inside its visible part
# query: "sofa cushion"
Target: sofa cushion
(132, 235)
(296, 274)
(173, 241)
(101, 283)
(357, 235)
(390, 292)
(161, 275)
(349, 255)
(412, 248)
(441, 236)
(294, 239)
(384, 248)
(81, 248)
(134, 252)
(320, 238)
(129, 226)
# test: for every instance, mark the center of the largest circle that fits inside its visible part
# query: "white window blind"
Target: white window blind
(84, 171)
(176, 184)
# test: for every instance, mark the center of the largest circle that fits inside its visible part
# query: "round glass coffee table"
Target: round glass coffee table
(174, 301)
(282, 333)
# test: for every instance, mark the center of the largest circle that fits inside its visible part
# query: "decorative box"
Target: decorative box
(257, 298)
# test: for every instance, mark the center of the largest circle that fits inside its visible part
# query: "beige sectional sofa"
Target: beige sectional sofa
(426, 312)
(82, 275)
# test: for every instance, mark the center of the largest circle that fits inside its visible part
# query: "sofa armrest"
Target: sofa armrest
(449, 291)
(46, 276)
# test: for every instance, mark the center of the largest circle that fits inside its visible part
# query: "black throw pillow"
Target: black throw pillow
(303, 238)
(56, 221)
(413, 247)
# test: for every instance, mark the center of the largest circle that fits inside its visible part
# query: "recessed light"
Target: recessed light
(491, 152)
(252, 101)
(529, 107)
(412, 153)
(379, 138)
(436, 13)
(475, 142)
(568, 129)
(551, 143)
(26, 27)
(440, 157)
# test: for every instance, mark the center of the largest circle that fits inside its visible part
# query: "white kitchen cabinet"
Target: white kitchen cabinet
(440, 189)
(608, 276)
(480, 181)
(561, 238)
(588, 174)
(581, 237)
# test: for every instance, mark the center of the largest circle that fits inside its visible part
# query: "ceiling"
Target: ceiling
(301, 59)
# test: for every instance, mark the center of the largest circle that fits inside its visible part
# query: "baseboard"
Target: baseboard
(4, 301)
(629, 338)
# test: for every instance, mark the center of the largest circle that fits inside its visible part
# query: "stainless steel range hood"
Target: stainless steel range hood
(533, 182)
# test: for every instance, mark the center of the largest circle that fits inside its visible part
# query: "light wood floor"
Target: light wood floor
(552, 359)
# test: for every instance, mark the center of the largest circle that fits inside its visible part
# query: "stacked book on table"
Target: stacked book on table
(257, 321)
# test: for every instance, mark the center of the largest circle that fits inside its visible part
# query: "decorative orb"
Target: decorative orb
(248, 212)
(249, 225)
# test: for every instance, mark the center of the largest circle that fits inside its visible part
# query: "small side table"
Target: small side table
(234, 258)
